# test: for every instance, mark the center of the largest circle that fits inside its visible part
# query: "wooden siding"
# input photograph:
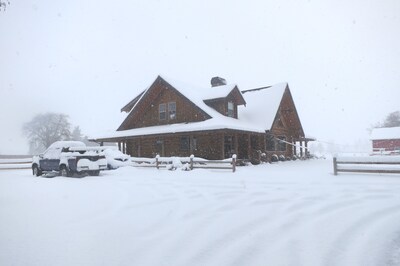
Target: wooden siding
(184, 110)
(209, 144)
(287, 124)
(146, 113)
(221, 104)
(387, 144)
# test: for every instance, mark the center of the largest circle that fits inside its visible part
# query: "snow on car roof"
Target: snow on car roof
(385, 133)
(66, 144)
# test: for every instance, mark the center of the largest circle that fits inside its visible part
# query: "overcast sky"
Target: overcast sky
(87, 59)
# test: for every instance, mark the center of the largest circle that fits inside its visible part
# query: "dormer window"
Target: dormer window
(231, 109)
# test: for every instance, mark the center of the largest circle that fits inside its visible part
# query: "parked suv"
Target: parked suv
(69, 158)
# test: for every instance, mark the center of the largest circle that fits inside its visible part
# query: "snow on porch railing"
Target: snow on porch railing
(185, 163)
(15, 163)
(367, 164)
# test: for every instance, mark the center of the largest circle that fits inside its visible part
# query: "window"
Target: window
(270, 143)
(171, 110)
(185, 143)
(194, 144)
(159, 147)
(281, 144)
(228, 146)
(231, 109)
(162, 110)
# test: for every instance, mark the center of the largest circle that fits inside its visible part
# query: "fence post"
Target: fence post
(234, 163)
(191, 161)
(334, 166)
(157, 162)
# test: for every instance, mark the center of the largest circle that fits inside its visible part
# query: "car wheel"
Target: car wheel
(94, 173)
(36, 171)
(64, 171)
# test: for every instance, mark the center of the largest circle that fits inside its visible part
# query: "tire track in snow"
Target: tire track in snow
(285, 233)
(342, 247)
(203, 225)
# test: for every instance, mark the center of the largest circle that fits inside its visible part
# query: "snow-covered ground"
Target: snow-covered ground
(291, 213)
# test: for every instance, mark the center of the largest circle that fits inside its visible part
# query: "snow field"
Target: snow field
(291, 213)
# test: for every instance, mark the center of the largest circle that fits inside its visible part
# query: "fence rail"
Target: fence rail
(15, 163)
(375, 164)
(168, 162)
(157, 162)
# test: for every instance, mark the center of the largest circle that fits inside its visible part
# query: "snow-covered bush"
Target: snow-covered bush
(274, 158)
(282, 158)
(186, 167)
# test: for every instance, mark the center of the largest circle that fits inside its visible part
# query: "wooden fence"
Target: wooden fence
(192, 163)
(157, 162)
(15, 163)
(370, 164)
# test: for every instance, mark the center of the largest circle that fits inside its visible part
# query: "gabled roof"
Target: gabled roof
(128, 107)
(267, 99)
(385, 133)
(194, 94)
(262, 105)
(141, 100)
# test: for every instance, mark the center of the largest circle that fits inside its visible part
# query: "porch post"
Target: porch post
(306, 146)
(223, 146)
(119, 146)
(236, 143)
(301, 148)
(139, 148)
(249, 146)
(265, 143)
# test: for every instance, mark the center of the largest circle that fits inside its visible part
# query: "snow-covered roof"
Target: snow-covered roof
(200, 93)
(385, 133)
(258, 115)
(209, 124)
(262, 105)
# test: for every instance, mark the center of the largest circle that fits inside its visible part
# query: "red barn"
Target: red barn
(386, 139)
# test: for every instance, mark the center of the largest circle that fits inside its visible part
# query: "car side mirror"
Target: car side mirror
(41, 155)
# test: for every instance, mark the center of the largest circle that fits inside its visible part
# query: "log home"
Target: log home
(174, 119)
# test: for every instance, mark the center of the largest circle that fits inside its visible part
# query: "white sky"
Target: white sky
(87, 59)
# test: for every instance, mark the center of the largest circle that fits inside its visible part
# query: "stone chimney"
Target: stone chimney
(217, 81)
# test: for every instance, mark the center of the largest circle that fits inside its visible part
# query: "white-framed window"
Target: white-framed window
(162, 110)
(231, 109)
(171, 110)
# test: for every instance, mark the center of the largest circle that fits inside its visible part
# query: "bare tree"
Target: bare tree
(44, 129)
(392, 120)
(3, 5)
